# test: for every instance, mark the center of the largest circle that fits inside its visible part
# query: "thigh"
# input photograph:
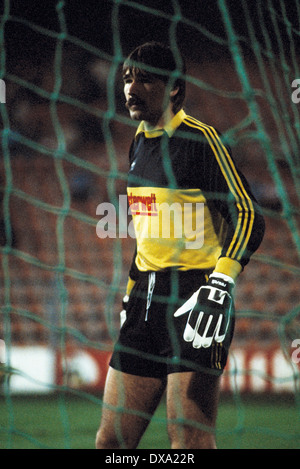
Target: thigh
(128, 404)
(192, 403)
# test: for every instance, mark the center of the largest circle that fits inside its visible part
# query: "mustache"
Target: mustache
(133, 102)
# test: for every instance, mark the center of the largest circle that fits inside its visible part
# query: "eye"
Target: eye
(127, 80)
(146, 79)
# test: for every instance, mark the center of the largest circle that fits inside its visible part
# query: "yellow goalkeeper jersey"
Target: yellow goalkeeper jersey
(191, 207)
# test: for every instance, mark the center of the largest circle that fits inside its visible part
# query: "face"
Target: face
(145, 96)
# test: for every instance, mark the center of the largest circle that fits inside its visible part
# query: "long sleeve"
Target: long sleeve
(236, 203)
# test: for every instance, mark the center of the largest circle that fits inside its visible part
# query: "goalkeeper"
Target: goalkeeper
(178, 313)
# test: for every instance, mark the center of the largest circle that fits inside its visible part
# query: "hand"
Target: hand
(209, 310)
(129, 287)
(123, 312)
(125, 302)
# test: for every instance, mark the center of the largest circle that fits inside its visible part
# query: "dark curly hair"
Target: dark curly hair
(158, 59)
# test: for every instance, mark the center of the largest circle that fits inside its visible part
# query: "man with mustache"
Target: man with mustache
(178, 317)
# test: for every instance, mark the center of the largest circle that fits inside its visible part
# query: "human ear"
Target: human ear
(174, 92)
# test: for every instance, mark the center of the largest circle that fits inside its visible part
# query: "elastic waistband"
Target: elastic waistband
(176, 274)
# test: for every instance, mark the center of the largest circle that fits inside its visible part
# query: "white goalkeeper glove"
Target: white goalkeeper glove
(210, 309)
(123, 312)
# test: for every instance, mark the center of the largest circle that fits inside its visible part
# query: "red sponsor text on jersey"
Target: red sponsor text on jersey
(142, 205)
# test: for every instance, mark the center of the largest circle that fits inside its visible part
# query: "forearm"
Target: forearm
(132, 276)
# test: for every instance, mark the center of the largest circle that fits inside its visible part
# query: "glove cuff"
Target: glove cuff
(221, 281)
(224, 277)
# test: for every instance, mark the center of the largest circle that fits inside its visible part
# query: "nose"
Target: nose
(132, 88)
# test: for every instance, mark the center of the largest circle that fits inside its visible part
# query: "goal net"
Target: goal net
(65, 136)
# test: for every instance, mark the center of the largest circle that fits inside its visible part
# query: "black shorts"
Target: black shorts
(151, 338)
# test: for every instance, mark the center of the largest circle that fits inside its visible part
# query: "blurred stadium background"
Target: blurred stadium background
(64, 143)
